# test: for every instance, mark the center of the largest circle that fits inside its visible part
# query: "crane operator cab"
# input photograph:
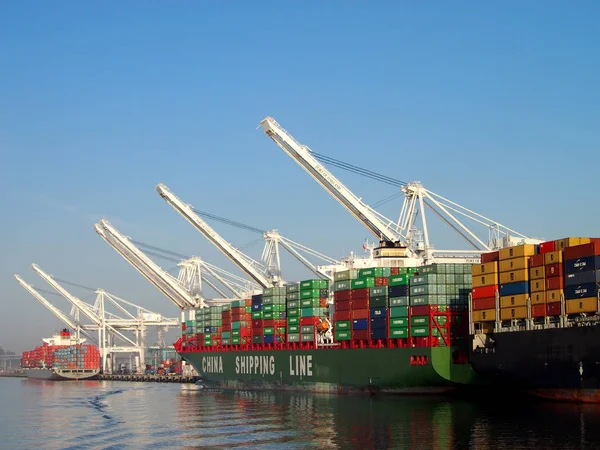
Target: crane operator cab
(324, 333)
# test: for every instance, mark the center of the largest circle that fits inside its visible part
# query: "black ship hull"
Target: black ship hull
(558, 363)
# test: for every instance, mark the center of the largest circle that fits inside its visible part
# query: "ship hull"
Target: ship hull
(371, 371)
(61, 374)
(559, 364)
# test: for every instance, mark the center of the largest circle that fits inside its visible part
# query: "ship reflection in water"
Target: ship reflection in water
(285, 420)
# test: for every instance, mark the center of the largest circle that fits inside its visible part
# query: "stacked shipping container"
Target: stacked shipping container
(80, 356)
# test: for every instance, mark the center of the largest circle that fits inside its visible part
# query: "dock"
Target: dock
(150, 378)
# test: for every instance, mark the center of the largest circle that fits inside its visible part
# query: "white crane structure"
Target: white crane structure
(185, 291)
(267, 272)
(72, 323)
(402, 234)
(110, 326)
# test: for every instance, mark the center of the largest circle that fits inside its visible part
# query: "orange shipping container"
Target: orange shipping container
(519, 312)
(488, 315)
(582, 305)
(484, 269)
(518, 250)
(553, 257)
(537, 273)
(485, 280)
(514, 276)
(511, 301)
(553, 295)
(537, 285)
(521, 262)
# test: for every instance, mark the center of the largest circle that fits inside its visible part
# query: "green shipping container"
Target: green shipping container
(399, 322)
(363, 283)
(293, 329)
(379, 291)
(226, 341)
(235, 333)
(226, 334)
(398, 280)
(398, 333)
(307, 329)
(307, 337)
(399, 301)
(371, 272)
(399, 311)
(419, 331)
(432, 299)
(293, 312)
(257, 314)
(342, 335)
(378, 302)
(342, 325)
(426, 289)
(248, 309)
(310, 293)
(292, 287)
(293, 320)
(441, 320)
(345, 275)
(419, 321)
(267, 301)
(281, 331)
(268, 315)
(293, 337)
(313, 312)
(235, 341)
(267, 331)
(428, 278)
(342, 286)
(310, 303)
(313, 284)
(267, 308)
(293, 296)
(293, 304)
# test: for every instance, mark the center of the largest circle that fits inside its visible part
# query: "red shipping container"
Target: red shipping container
(304, 321)
(553, 309)
(248, 318)
(382, 281)
(323, 302)
(360, 334)
(342, 315)
(343, 306)
(555, 283)
(489, 257)
(484, 303)
(583, 250)
(422, 310)
(485, 291)
(237, 317)
(257, 323)
(244, 331)
(280, 322)
(238, 310)
(360, 313)
(546, 247)
(268, 323)
(395, 271)
(360, 294)
(341, 296)
(554, 270)
(536, 260)
(360, 304)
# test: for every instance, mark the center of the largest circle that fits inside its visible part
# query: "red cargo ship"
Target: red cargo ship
(62, 357)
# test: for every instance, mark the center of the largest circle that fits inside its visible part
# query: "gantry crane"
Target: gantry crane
(268, 273)
(414, 243)
(107, 330)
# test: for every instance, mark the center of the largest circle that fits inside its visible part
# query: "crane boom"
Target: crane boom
(57, 312)
(245, 263)
(138, 259)
(300, 153)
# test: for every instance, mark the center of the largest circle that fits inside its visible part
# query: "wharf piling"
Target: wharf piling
(150, 378)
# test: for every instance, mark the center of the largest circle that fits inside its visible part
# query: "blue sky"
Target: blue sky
(492, 105)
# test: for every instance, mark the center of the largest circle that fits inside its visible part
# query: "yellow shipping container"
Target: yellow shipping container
(553, 295)
(561, 244)
(485, 327)
(485, 280)
(486, 315)
(484, 269)
(510, 301)
(581, 305)
(537, 286)
(516, 251)
(514, 276)
(553, 257)
(521, 262)
(538, 298)
(537, 273)
(519, 312)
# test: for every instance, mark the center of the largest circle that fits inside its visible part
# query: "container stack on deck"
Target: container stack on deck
(226, 325)
(83, 356)
(582, 276)
(257, 319)
(514, 281)
(241, 322)
(274, 315)
(314, 296)
(292, 292)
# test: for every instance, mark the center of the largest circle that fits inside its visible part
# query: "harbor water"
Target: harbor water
(122, 415)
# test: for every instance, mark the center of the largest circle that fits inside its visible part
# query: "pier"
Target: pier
(150, 378)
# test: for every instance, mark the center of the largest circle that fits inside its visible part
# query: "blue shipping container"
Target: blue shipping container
(360, 324)
(378, 312)
(398, 291)
(256, 306)
(582, 264)
(270, 339)
(207, 329)
(379, 333)
(257, 297)
(522, 287)
(380, 322)
(590, 276)
(581, 291)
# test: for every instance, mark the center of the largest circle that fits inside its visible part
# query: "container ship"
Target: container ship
(387, 330)
(62, 357)
(533, 317)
